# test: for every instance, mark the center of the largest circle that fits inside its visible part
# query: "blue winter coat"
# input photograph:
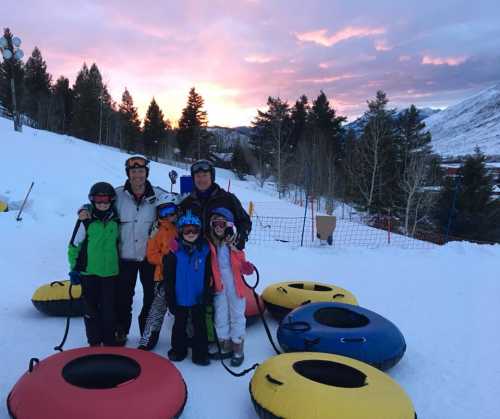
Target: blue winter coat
(187, 274)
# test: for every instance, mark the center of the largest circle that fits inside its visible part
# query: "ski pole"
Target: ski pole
(18, 218)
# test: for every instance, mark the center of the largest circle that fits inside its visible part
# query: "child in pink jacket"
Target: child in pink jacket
(228, 265)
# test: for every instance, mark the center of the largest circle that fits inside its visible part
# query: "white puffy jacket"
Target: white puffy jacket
(136, 220)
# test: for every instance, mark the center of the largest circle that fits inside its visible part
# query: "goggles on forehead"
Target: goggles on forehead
(136, 162)
(101, 199)
(190, 229)
(221, 223)
(167, 210)
(201, 166)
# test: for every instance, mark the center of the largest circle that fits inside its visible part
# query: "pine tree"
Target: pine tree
(11, 69)
(240, 162)
(155, 130)
(465, 208)
(130, 123)
(92, 103)
(37, 83)
(192, 135)
(62, 106)
(325, 133)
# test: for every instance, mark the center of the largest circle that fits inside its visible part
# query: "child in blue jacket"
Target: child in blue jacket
(187, 278)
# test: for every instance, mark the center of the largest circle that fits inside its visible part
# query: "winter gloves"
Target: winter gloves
(247, 268)
(75, 278)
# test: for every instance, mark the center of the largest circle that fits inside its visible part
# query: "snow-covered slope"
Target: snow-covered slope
(474, 122)
(444, 300)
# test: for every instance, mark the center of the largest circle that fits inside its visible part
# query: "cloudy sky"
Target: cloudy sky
(238, 52)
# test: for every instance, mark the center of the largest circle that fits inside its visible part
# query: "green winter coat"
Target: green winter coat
(98, 253)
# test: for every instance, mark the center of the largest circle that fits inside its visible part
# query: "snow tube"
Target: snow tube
(318, 386)
(53, 299)
(282, 297)
(99, 383)
(342, 329)
(3, 206)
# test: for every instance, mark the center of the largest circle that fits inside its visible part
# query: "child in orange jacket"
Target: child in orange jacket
(228, 264)
(158, 246)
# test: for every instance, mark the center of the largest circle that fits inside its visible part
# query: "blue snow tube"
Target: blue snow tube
(342, 329)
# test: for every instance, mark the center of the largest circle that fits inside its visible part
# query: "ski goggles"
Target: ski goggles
(190, 229)
(136, 162)
(101, 199)
(167, 210)
(201, 166)
(221, 223)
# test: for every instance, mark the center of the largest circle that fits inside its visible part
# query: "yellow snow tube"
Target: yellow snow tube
(3, 206)
(282, 297)
(54, 299)
(324, 386)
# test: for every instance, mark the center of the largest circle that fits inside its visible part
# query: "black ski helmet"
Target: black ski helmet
(136, 162)
(102, 188)
(203, 166)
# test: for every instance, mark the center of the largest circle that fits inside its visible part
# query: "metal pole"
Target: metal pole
(15, 116)
(100, 118)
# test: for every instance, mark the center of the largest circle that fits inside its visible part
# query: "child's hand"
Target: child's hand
(247, 268)
(173, 245)
(83, 215)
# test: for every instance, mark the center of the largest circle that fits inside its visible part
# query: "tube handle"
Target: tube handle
(361, 339)
(273, 380)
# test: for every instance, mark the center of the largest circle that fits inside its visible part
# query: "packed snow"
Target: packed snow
(444, 299)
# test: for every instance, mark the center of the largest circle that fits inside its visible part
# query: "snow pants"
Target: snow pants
(230, 320)
(99, 316)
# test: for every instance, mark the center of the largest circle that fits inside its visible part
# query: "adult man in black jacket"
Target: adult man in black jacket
(208, 195)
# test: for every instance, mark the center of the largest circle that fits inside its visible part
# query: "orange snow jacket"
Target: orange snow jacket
(237, 258)
(159, 246)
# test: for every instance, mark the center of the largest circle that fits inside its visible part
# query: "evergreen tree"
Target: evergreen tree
(11, 69)
(155, 130)
(299, 117)
(130, 123)
(271, 141)
(62, 105)
(92, 102)
(37, 83)
(465, 208)
(192, 135)
(325, 133)
(240, 162)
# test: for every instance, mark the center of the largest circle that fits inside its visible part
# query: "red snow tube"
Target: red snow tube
(251, 309)
(99, 383)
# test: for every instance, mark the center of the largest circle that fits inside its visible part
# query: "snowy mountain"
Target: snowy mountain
(474, 122)
(227, 138)
(448, 320)
(359, 124)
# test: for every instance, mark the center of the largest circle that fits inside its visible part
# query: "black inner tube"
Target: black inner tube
(340, 317)
(316, 287)
(101, 371)
(330, 373)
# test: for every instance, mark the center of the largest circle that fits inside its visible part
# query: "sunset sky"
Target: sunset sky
(237, 53)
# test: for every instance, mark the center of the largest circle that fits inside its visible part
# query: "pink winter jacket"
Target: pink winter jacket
(237, 258)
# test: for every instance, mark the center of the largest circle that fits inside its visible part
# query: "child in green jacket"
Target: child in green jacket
(94, 263)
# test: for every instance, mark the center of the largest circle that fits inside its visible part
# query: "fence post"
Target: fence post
(312, 220)
(389, 228)
(250, 209)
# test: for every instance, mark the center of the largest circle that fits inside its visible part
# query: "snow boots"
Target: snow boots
(226, 350)
(238, 355)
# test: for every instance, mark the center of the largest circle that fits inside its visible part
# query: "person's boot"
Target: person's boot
(176, 356)
(226, 350)
(238, 355)
(120, 338)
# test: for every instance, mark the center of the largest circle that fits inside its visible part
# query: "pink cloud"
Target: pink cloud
(259, 59)
(382, 45)
(451, 61)
(324, 80)
(404, 58)
(320, 36)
